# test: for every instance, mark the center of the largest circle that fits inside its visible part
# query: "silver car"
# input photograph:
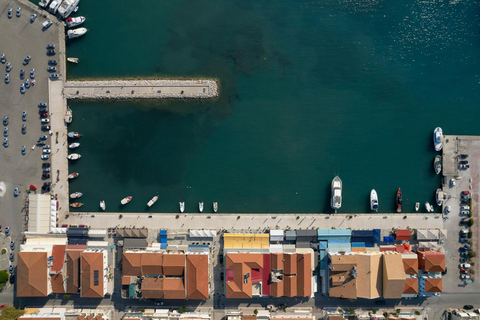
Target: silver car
(22, 88)
(8, 68)
(32, 73)
(5, 132)
(24, 116)
(33, 17)
(7, 78)
(2, 58)
(24, 150)
(19, 11)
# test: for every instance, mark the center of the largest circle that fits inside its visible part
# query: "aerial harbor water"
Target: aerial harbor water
(307, 91)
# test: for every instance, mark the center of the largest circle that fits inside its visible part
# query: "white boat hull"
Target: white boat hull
(200, 206)
(182, 206)
(75, 33)
(336, 201)
(152, 201)
(102, 205)
(373, 200)
(438, 139)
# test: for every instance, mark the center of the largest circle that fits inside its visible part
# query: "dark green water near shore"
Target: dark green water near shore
(309, 90)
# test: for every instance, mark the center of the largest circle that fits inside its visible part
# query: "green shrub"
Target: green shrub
(182, 310)
(470, 222)
(120, 216)
(470, 234)
(471, 271)
(4, 276)
(11, 313)
(340, 310)
(417, 312)
(67, 296)
(4, 251)
(255, 312)
(351, 311)
(472, 254)
(374, 311)
(385, 315)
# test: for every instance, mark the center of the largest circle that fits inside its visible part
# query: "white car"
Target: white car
(465, 207)
(24, 116)
(7, 78)
(45, 121)
(465, 265)
(22, 88)
(452, 183)
(32, 73)
(465, 276)
(47, 151)
(448, 209)
(45, 157)
(19, 11)
(465, 213)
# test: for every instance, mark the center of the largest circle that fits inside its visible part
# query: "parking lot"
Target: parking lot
(466, 179)
(21, 37)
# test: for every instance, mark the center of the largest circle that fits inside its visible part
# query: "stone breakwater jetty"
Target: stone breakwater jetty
(141, 89)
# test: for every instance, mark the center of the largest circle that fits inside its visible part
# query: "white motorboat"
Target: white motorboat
(67, 7)
(44, 3)
(428, 206)
(182, 206)
(76, 195)
(102, 205)
(73, 134)
(74, 156)
(373, 200)
(75, 33)
(126, 200)
(438, 138)
(152, 201)
(417, 206)
(336, 201)
(74, 145)
(215, 206)
(437, 164)
(54, 6)
(200, 206)
(72, 60)
(440, 196)
(74, 21)
(68, 115)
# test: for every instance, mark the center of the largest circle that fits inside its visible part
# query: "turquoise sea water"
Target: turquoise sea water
(309, 89)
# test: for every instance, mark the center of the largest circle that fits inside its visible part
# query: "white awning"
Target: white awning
(200, 233)
(276, 235)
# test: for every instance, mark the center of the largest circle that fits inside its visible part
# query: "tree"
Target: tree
(255, 311)
(11, 313)
(3, 276)
(374, 311)
(417, 312)
(470, 222)
(472, 254)
(181, 310)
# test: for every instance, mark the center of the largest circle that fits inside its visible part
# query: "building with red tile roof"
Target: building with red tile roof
(197, 276)
(431, 261)
(402, 235)
(411, 286)
(433, 285)
(238, 273)
(32, 274)
(174, 264)
(92, 274)
(152, 288)
(173, 288)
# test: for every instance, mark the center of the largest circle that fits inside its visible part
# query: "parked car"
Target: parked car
(42, 105)
(22, 88)
(465, 276)
(46, 170)
(12, 245)
(45, 121)
(7, 78)
(46, 165)
(52, 62)
(46, 151)
(24, 150)
(464, 254)
(45, 128)
(463, 260)
(43, 110)
(3, 58)
(45, 157)
(5, 132)
(12, 256)
(24, 129)
(46, 175)
(33, 17)
(468, 307)
(465, 207)
(11, 268)
(50, 52)
(463, 249)
(50, 46)
(54, 76)
(32, 73)
(24, 115)
(19, 12)
(7, 231)
(10, 13)
(8, 67)
(448, 209)
(5, 121)
(52, 69)
(465, 265)
(26, 60)
(43, 115)
(43, 137)
(22, 74)
(27, 83)
(452, 183)
(5, 142)
(15, 192)
(466, 213)
(47, 24)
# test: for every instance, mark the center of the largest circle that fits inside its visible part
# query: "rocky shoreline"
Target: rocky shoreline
(141, 89)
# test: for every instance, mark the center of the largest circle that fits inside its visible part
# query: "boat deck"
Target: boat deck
(141, 89)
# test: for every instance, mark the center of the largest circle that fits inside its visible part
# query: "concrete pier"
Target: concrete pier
(141, 89)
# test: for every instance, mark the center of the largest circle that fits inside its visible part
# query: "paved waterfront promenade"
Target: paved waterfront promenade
(141, 89)
(252, 222)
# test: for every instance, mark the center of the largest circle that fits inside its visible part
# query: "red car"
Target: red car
(46, 175)
(44, 115)
(463, 271)
(466, 192)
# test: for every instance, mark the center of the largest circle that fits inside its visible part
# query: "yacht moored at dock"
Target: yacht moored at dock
(437, 164)
(73, 134)
(215, 206)
(44, 3)
(102, 205)
(75, 33)
(54, 6)
(76, 205)
(373, 200)
(182, 206)
(126, 200)
(76, 195)
(74, 21)
(440, 196)
(68, 115)
(336, 201)
(417, 206)
(428, 206)
(152, 201)
(74, 145)
(73, 60)
(200, 206)
(438, 138)
(399, 200)
(73, 175)
(74, 156)
(67, 7)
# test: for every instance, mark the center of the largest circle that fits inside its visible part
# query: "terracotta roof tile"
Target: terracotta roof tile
(73, 271)
(276, 289)
(304, 275)
(290, 286)
(410, 266)
(152, 288)
(290, 263)
(58, 254)
(173, 288)
(433, 285)
(92, 262)
(402, 234)
(240, 264)
(197, 276)
(151, 263)
(132, 264)
(276, 261)
(32, 274)
(126, 280)
(57, 283)
(174, 264)
(411, 286)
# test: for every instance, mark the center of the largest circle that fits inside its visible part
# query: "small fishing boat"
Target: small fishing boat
(438, 138)
(336, 201)
(76, 204)
(200, 206)
(75, 33)
(417, 206)
(72, 60)
(152, 201)
(74, 134)
(102, 205)
(76, 195)
(182, 206)
(373, 200)
(44, 3)
(74, 21)
(126, 200)
(73, 175)
(68, 115)
(440, 196)
(399, 200)
(437, 164)
(74, 156)
(74, 145)
(215, 206)
(428, 206)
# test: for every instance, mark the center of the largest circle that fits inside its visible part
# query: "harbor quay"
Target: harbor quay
(141, 89)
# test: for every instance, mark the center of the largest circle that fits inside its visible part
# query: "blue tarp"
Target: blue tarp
(323, 245)
(388, 239)
(376, 235)
(369, 244)
(358, 244)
